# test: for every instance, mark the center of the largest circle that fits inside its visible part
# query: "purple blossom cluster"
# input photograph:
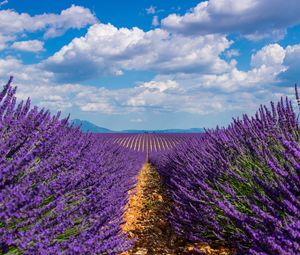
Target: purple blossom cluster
(240, 185)
(61, 191)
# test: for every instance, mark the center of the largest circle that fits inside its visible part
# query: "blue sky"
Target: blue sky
(151, 64)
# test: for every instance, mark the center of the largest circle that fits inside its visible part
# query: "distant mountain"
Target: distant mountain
(190, 130)
(87, 126)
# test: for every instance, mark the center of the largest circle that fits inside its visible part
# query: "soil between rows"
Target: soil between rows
(146, 220)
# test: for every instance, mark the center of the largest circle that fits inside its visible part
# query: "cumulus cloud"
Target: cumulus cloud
(161, 95)
(197, 93)
(199, 99)
(267, 65)
(106, 49)
(13, 24)
(11, 66)
(292, 62)
(270, 55)
(73, 17)
(29, 46)
(200, 94)
(253, 19)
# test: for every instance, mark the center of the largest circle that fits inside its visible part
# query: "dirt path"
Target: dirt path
(145, 219)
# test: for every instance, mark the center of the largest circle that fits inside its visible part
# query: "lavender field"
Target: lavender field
(65, 192)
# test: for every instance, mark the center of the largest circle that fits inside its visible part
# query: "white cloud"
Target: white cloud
(268, 62)
(195, 93)
(237, 80)
(133, 49)
(55, 102)
(276, 35)
(103, 107)
(73, 17)
(292, 62)
(30, 46)
(160, 86)
(25, 73)
(267, 65)
(270, 55)
(155, 96)
(202, 94)
(194, 98)
(13, 23)
(253, 19)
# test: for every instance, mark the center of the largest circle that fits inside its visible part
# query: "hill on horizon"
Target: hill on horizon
(87, 126)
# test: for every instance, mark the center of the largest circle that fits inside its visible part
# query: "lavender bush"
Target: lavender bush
(61, 191)
(240, 185)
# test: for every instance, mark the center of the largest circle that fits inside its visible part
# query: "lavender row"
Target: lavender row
(61, 191)
(239, 186)
(147, 142)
